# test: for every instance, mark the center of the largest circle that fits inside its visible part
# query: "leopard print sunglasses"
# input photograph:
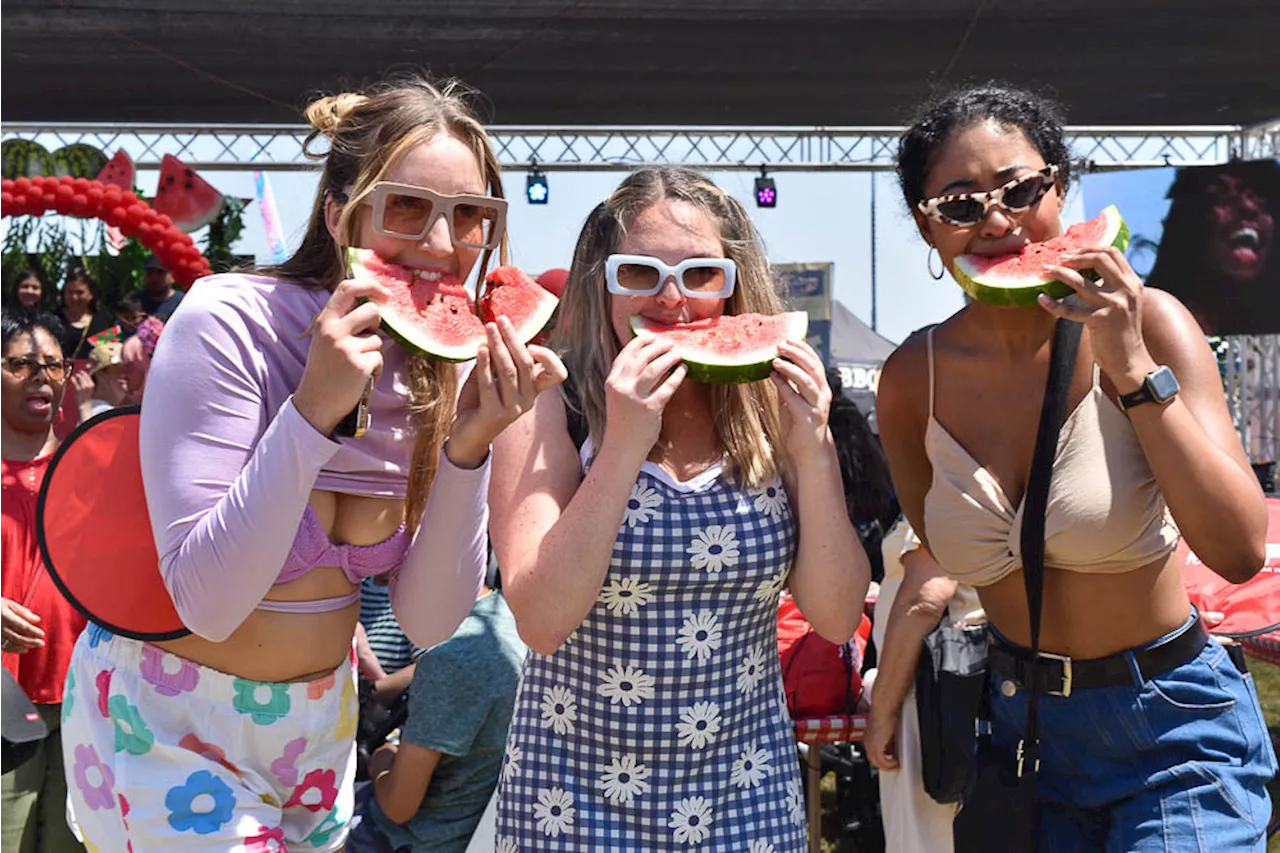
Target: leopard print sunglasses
(964, 209)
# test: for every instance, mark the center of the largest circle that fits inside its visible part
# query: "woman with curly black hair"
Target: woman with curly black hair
(1217, 252)
(1149, 737)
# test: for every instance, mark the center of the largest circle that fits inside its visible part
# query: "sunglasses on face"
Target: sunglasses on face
(697, 278)
(25, 367)
(408, 212)
(969, 208)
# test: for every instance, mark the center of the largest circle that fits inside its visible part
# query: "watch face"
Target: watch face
(1163, 384)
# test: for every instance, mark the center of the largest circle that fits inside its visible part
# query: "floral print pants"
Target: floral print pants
(164, 754)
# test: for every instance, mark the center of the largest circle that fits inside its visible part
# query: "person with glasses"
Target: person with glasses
(267, 516)
(1150, 737)
(39, 625)
(646, 524)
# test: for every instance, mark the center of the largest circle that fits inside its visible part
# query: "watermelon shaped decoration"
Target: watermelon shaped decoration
(119, 172)
(185, 197)
(431, 313)
(731, 348)
(78, 160)
(1016, 280)
(22, 158)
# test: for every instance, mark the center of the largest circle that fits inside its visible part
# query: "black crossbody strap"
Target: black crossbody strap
(1062, 360)
(574, 415)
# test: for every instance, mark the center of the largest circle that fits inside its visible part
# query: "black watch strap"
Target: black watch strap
(1158, 386)
(1136, 398)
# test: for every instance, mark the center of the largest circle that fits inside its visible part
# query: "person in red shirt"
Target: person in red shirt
(39, 626)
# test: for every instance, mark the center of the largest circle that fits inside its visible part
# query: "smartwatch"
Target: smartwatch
(1159, 386)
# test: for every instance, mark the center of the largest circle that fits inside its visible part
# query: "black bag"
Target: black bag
(951, 681)
(999, 809)
(21, 725)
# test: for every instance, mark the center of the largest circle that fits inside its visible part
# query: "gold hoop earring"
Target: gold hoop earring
(928, 262)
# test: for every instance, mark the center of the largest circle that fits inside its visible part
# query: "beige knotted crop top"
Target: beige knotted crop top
(1106, 514)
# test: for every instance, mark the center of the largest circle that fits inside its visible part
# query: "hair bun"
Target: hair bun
(327, 113)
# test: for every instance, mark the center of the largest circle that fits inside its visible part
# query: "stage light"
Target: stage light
(536, 188)
(766, 190)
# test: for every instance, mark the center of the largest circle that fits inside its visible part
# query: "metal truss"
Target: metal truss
(280, 147)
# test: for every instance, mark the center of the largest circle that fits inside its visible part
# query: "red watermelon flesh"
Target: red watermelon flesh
(119, 171)
(184, 196)
(731, 348)
(1017, 280)
(510, 293)
(430, 311)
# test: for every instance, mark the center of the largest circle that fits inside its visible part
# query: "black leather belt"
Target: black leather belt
(1060, 675)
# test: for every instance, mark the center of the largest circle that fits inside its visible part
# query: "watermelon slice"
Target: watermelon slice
(119, 171)
(184, 196)
(1016, 280)
(431, 312)
(729, 349)
(508, 292)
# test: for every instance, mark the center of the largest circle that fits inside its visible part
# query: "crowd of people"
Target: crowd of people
(614, 682)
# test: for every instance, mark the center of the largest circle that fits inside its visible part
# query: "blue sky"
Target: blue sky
(1140, 196)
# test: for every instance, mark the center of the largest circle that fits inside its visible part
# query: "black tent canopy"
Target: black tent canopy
(669, 62)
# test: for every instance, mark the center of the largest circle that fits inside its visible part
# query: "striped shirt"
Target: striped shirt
(390, 646)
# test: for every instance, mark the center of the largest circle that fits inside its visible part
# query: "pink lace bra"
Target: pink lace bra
(312, 548)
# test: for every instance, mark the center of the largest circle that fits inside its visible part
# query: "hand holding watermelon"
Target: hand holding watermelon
(806, 402)
(345, 352)
(507, 379)
(1112, 312)
(642, 380)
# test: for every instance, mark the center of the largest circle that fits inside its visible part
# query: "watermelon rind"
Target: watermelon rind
(185, 197)
(411, 334)
(23, 158)
(545, 304)
(719, 369)
(119, 171)
(78, 160)
(1022, 292)
(408, 334)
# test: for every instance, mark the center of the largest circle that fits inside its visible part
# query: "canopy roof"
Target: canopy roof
(661, 62)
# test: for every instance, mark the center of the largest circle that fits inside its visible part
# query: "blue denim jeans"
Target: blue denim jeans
(1176, 761)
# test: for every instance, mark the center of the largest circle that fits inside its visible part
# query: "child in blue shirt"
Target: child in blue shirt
(430, 791)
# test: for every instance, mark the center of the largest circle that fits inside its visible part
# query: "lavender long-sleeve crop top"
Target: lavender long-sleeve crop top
(228, 463)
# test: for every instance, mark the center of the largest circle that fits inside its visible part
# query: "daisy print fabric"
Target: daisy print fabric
(659, 724)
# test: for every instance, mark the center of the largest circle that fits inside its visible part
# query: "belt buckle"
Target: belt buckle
(1066, 673)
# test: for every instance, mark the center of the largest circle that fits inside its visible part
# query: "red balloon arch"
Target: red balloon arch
(120, 208)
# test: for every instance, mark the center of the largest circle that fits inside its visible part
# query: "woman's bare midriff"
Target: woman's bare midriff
(1092, 615)
(279, 647)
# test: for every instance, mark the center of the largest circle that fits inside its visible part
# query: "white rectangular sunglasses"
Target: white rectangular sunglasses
(697, 278)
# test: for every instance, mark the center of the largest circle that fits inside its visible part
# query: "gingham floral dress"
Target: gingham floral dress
(660, 724)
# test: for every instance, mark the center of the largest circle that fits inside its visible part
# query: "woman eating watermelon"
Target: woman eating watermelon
(1149, 737)
(646, 523)
(267, 517)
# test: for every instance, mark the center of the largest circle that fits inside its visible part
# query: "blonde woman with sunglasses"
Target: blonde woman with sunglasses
(646, 524)
(1150, 737)
(266, 518)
